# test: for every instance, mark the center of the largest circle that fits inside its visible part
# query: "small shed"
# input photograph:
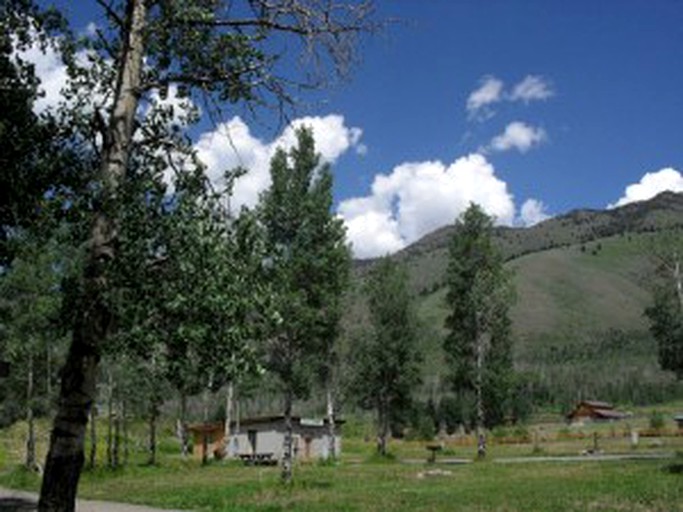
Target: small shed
(594, 410)
(263, 437)
(207, 439)
(678, 418)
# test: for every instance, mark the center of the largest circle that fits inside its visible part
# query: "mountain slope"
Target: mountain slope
(427, 258)
(582, 281)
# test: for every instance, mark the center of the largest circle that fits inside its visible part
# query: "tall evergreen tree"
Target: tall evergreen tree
(387, 364)
(478, 343)
(307, 266)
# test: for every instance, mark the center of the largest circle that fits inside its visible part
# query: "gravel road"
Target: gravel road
(19, 501)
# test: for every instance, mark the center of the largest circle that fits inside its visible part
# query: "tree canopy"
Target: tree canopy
(307, 268)
(478, 343)
(387, 359)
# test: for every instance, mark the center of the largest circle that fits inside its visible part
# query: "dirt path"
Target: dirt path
(20, 501)
(558, 458)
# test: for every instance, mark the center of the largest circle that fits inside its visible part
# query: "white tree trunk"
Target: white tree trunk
(31, 435)
(229, 401)
(288, 456)
(331, 434)
(479, 390)
(678, 279)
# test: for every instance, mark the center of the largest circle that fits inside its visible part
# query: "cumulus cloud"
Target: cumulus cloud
(531, 88)
(519, 136)
(532, 212)
(419, 197)
(651, 184)
(54, 78)
(479, 101)
(233, 145)
(51, 71)
(492, 90)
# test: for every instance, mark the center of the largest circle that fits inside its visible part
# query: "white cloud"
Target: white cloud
(489, 92)
(91, 29)
(651, 184)
(532, 88)
(519, 136)
(51, 71)
(417, 198)
(373, 233)
(54, 79)
(532, 212)
(231, 145)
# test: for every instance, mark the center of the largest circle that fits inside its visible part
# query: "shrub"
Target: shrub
(656, 420)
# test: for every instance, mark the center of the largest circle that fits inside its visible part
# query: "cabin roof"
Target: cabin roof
(609, 413)
(257, 420)
(596, 404)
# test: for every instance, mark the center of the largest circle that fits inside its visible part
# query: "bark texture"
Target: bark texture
(66, 457)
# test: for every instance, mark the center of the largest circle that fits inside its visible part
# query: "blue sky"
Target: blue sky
(570, 102)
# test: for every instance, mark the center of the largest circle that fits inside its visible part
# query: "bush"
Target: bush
(522, 433)
(499, 432)
(656, 420)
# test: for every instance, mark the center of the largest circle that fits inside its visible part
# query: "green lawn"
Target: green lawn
(489, 486)
(361, 482)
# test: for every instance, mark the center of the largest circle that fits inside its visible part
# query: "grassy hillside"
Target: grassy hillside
(582, 285)
(427, 258)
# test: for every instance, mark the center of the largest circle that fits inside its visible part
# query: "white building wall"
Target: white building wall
(270, 439)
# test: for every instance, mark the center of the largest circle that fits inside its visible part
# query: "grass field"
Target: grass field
(488, 486)
(406, 482)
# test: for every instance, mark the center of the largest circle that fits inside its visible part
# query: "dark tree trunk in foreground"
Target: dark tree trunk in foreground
(66, 456)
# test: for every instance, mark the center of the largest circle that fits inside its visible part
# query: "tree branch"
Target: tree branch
(111, 13)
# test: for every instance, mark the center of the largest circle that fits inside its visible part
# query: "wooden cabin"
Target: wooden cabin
(594, 410)
(261, 439)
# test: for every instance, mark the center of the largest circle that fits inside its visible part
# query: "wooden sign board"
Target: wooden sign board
(4, 369)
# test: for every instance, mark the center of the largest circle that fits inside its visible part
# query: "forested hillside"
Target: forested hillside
(582, 288)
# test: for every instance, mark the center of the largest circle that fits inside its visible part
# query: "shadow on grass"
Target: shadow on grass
(674, 469)
(17, 505)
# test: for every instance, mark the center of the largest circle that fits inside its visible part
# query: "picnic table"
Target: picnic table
(258, 459)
